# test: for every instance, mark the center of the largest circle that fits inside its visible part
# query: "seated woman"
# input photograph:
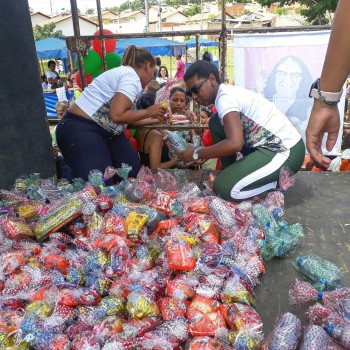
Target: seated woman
(90, 135)
(248, 123)
(153, 151)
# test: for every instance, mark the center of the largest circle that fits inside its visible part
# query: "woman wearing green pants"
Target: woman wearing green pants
(248, 123)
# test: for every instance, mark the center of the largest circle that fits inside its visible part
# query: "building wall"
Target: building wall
(86, 28)
(37, 19)
(176, 17)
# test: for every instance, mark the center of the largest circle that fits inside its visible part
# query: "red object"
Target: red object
(88, 78)
(134, 143)
(180, 256)
(110, 44)
(56, 262)
(172, 308)
(127, 133)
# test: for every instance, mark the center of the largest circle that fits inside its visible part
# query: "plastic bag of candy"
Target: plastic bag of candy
(140, 305)
(171, 308)
(134, 223)
(339, 332)
(316, 338)
(222, 213)
(285, 334)
(321, 273)
(275, 199)
(166, 202)
(302, 292)
(240, 316)
(201, 343)
(236, 290)
(180, 255)
(57, 218)
(182, 287)
(243, 340)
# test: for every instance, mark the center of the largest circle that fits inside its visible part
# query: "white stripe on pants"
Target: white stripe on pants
(276, 162)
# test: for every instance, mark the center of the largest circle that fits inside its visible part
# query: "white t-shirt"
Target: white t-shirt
(51, 74)
(96, 99)
(263, 124)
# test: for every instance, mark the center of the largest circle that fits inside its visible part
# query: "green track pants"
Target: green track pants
(255, 173)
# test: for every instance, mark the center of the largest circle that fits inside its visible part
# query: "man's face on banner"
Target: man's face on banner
(288, 78)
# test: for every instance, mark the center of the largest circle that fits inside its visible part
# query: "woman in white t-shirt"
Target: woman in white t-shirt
(90, 135)
(163, 75)
(246, 123)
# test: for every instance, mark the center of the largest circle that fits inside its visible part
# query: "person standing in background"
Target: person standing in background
(180, 68)
(325, 116)
(158, 64)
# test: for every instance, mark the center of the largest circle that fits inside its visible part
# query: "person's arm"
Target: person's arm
(336, 67)
(121, 112)
(232, 144)
(155, 152)
(147, 121)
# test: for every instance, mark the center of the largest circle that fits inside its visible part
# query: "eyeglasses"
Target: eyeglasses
(195, 89)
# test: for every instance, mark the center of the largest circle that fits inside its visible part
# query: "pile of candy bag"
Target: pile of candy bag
(151, 263)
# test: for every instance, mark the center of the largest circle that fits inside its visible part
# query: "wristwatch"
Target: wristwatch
(331, 98)
(195, 155)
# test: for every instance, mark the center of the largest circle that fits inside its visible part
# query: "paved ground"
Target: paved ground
(321, 203)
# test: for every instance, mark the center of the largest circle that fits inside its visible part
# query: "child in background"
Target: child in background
(178, 100)
(45, 85)
(152, 86)
(153, 151)
(62, 168)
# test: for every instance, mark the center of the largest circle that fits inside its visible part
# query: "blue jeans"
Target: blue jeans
(85, 146)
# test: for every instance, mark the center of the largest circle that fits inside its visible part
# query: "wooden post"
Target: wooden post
(42, 66)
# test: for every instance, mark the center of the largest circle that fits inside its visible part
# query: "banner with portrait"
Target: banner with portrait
(282, 67)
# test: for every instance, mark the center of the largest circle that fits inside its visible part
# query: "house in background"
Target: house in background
(107, 17)
(38, 17)
(170, 18)
(65, 23)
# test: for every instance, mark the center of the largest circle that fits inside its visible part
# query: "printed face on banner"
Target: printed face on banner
(284, 76)
(282, 67)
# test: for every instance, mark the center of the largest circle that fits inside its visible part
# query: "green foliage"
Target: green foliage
(176, 2)
(316, 12)
(46, 31)
(281, 10)
(195, 9)
(90, 11)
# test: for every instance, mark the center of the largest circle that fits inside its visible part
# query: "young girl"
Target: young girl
(248, 123)
(153, 152)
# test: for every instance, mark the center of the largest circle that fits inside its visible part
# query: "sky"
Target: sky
(57, 5)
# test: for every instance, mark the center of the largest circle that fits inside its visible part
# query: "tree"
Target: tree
(315, 11)
(195, 9)
(46, 31)
(90, 11)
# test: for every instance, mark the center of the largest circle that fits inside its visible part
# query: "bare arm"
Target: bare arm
(121, 110)
(147, 121)
(325, 118)
(232, 144)
(154, 145)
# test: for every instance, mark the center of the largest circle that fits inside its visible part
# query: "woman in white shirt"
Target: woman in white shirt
(248, 123)
(163, 75)
(90, 135)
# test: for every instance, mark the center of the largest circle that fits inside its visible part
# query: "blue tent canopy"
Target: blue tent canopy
(157, 46)
(51, 48)
(202, 42)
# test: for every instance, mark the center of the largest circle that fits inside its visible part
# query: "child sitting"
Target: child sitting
(153, 151)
